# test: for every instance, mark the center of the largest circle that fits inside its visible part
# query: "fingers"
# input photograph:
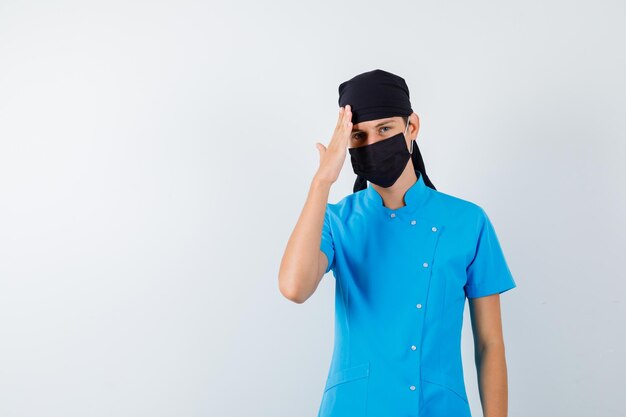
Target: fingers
(345, 115)
(344, 121)
(343, 129)
(347, 122)
(339, 118)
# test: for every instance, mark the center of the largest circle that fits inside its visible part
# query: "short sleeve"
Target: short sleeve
(488, 272)
(327, 245)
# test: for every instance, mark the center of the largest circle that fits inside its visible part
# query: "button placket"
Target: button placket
(426, 265)
(429, 244)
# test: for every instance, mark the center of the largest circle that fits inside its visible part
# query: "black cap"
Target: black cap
(375, 94)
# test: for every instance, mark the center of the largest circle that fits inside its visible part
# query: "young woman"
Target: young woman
(405, 257)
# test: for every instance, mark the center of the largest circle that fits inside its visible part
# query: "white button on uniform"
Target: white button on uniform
(419, 306)
(413, 347)
(434, 229)
(413, 222)
(412, 387)
(393, 214)
(425, 264)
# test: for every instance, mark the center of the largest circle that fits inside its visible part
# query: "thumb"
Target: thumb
(321, 148)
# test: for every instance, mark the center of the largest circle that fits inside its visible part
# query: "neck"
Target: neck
(393, 197)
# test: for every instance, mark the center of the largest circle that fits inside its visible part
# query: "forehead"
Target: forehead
(374, 124)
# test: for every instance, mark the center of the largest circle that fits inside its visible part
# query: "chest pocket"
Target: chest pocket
(345, 393)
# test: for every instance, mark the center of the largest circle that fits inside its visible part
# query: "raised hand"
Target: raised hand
(333, 156)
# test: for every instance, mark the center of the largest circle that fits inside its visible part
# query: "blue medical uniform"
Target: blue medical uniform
(401, 279)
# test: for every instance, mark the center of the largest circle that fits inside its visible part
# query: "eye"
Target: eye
(356, 136)
(385, 127)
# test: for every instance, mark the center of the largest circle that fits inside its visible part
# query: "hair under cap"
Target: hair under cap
(379, 94)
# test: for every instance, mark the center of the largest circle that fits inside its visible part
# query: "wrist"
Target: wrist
(320, 181)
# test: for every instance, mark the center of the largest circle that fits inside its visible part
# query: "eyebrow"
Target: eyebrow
(378, 125)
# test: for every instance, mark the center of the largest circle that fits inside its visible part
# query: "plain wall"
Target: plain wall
(155, 156)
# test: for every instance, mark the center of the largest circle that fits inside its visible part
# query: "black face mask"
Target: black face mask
(382, 162)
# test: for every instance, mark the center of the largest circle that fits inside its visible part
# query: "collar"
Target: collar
(414, 198)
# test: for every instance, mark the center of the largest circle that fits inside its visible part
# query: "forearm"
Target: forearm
(492, 380)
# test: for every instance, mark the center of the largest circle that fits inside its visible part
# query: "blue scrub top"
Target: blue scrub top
(401, 279)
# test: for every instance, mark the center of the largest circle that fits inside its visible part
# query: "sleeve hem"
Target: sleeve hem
(329, 256)
(484, 293)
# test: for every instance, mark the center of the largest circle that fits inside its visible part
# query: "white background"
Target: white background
(155, 156)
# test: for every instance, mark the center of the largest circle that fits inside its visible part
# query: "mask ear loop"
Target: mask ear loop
(405, 130)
